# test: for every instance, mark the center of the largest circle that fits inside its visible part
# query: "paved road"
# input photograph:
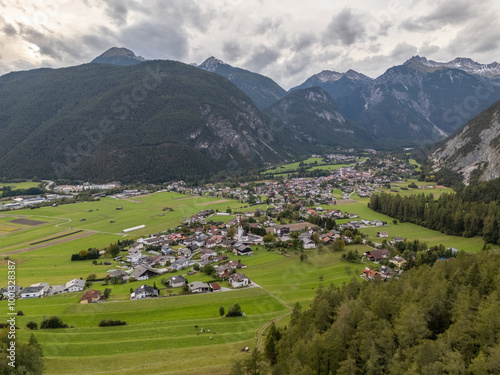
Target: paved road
(48, 187)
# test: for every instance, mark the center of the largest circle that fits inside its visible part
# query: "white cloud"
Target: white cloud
(286, 40)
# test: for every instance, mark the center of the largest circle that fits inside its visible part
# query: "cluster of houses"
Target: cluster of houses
(384, 272)
(39, 290)
(236, 280)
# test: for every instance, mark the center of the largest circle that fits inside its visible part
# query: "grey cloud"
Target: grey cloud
(266, 25)
(51, 45)
(97, 43)
(446, 13)
(375, 48)
(261, 57)
(476, 38)
(428, 49)
(303, 41)
(298, 63)
(384, 28)
(231, 50)
(345, 28)
(117, 10)
(403, 51)
(158, 40)
(9, 30)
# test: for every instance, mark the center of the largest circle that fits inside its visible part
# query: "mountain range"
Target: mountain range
(314, 115)
(153, 121)
(336, 84)
(262, 90)
(170, 119)
(413, 103)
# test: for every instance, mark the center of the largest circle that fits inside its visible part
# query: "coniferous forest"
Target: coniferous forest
(473, 211)
(440, 319)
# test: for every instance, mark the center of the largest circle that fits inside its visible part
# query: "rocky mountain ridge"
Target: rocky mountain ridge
(475, 148)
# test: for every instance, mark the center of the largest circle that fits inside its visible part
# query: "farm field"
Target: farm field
(20, 185)
(145, 210)
(408, 230)
(293, 166)
(160, 335)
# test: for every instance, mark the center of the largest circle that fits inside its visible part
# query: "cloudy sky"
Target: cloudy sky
(285, 40)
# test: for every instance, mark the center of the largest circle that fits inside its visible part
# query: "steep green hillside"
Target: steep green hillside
(316, 118)
(154, 121)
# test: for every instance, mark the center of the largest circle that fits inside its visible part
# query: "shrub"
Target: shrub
(20, 313)
(52, 323)
(111, 323)
(235, 311)
(32, 325)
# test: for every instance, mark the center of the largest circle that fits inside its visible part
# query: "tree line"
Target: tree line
(439, 319)
(473, 211)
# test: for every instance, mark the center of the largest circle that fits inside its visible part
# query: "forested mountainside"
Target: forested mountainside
(440, 319)
(153, 121)
(261, 89)
(317, 119)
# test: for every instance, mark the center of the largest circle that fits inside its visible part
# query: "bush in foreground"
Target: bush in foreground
(111, 323)
(32, 325)
(52, 323)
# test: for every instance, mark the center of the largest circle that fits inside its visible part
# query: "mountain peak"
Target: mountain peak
(417, 61)
(118, 56)
(461, 63)
(352, 74)
(211, 64)
(328, 76)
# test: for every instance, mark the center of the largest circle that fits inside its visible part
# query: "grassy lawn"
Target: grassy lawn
(297, 281)
(146, 210)
(414, 162)
(20, 185)
(160, 335)
(293, 166)
(408, 230)
(157, 330)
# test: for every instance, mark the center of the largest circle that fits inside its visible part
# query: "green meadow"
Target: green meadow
(105, 216)
(407, 230)
(293, 166)
(161, 334)
(20, 185)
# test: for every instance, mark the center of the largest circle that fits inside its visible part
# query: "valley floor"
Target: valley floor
(163, 335)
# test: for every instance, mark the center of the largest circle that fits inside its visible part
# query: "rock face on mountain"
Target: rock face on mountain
(118, 56)
(261, 89)
(461, 63)
(153, 121)
(336, 84)
(474, 147)
(314, 115)
(422, 101)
